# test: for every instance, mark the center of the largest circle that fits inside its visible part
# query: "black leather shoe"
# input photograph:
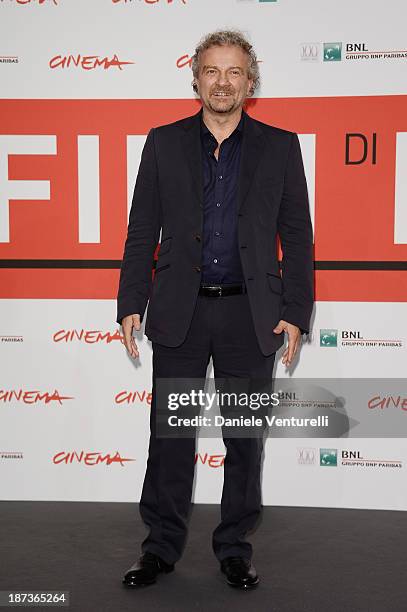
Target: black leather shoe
(145, 570)
(239, 572)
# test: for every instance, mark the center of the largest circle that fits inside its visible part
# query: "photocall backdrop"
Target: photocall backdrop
(82, 82)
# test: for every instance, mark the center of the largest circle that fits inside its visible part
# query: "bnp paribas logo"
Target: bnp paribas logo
(328, 457)
(328, 337)
(332, 52)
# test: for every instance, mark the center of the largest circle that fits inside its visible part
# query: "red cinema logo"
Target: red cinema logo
(32, 396)
(387, 402)
(89, 458)
(184, 60)
(212, 461)
(86, 62)
(88, 336)
(68, 167)
(55, 2)
(133, 397)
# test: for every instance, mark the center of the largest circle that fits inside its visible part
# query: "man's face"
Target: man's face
(223, 82)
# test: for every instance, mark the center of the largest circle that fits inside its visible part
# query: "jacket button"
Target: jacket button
(197, 268)
(198, 237)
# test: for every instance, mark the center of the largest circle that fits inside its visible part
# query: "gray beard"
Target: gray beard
(223, 109)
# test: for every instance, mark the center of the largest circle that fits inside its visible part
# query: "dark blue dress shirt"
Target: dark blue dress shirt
(220, 250)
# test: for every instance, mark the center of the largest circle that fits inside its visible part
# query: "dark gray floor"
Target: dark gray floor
(309, 559)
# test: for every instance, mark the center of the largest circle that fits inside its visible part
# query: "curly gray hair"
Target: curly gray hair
(227, 37)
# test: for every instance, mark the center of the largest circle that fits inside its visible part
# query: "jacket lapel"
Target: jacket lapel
(253, 146)
(193, 152)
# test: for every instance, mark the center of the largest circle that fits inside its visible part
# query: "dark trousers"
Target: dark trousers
(221, 327)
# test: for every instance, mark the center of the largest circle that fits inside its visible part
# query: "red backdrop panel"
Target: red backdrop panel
(354, 208)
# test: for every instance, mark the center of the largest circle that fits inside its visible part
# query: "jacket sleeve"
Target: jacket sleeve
(142, 237)
(296, 236)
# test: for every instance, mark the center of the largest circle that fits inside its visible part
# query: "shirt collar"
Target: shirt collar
(239, 128)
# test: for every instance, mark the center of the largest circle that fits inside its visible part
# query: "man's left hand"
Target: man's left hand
(294, 337)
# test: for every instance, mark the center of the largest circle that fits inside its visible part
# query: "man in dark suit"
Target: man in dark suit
(220, 186)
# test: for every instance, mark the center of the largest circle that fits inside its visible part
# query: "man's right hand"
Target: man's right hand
(128, 323)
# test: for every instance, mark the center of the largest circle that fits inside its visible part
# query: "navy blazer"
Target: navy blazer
(168, 197)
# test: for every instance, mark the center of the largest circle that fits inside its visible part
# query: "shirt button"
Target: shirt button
(220, 177)
(217, 233)
(218, 204)
(215, 261)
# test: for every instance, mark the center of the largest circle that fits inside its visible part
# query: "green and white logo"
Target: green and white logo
(328, 337)
(328, 457)
(332, 52)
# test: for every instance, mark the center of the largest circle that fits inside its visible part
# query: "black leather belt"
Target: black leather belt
(222, 290)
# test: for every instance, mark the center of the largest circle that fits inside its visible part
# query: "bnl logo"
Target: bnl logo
(328, 457)
(328, 337)
(332, 52)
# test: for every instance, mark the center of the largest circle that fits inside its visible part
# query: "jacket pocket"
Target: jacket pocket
(275, 282)
(161, 268)
(165, 245)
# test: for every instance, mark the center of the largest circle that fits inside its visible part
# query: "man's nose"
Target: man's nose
(223, 79)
